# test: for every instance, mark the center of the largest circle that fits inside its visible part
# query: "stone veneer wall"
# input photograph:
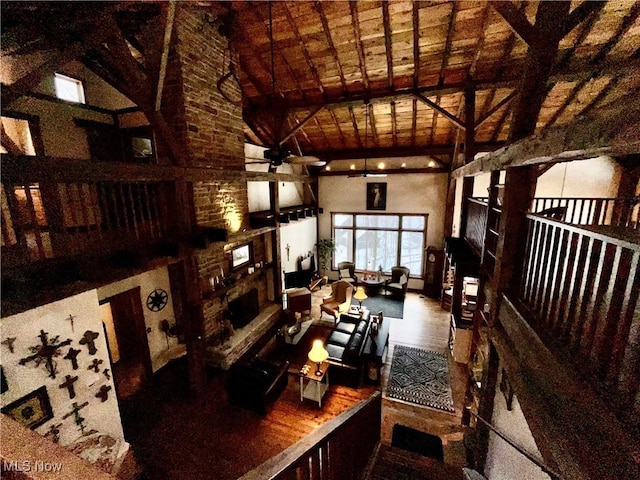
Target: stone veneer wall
(211, 130)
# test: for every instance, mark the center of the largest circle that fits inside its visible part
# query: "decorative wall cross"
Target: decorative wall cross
(54, 431)
(71, 355)
(103, 393)
(95, 365)
(71, 318)
(9, 343)
(106, 373)
(287, 248)
(88, 339)
(45, 352)
(75, 411)
(68, 384)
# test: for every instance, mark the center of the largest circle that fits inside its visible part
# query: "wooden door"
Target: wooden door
(133, 369)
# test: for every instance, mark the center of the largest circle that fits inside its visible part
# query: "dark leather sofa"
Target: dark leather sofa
(257, 384)
(345, 344)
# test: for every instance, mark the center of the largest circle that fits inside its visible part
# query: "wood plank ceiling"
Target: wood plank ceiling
(409, 60)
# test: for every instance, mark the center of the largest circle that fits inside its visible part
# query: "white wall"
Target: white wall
(23, 379)
(595, 177)
(503, 461)
(160, 353)
(301, 237)
(408, 193)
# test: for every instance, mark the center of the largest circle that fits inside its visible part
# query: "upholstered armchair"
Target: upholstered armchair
(339, 301)
(347, 271)
(399, 281)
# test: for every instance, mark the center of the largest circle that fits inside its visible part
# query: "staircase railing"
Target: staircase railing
(339, 449)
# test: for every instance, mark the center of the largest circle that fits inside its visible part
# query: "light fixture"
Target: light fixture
(328, 168)
(431, 164)
(318, 354)
(404, 165)
(360, 295)
(352, 166)
(381, 166)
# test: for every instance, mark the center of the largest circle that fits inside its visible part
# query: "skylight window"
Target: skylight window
(69, 89)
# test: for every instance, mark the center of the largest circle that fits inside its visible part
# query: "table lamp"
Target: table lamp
(360, 296)
(318, 354)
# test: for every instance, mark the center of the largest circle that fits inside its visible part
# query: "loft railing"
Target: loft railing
(581, 288)
(619, 212)
(339, 449)
(476, 225)
(53, 220)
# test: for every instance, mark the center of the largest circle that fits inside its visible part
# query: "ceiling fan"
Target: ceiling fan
(365, 173)
(278, 153)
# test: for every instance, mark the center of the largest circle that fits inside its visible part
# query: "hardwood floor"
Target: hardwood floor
(176, 437)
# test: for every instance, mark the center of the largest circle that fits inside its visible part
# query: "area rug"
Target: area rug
(390, 306)
(421, 377)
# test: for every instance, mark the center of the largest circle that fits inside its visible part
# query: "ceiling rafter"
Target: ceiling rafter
(445, 61)
(387, 43)
(338, 128)
(495, 108)
(585, 29)
(600, 97)
(416, 45)
(300, 124)
(580, 14)
(354, 123)
(305, 51)
(324, 136)
(301, 132)
(372, 124)
(394, 124)
(353, 7)
(414, 121)
(438, 109)
(500, 125)
(164, 59)
(257, 13)
(517, 20)
(332, 48)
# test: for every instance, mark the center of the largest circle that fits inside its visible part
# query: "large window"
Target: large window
(374, 241)
(68, 88)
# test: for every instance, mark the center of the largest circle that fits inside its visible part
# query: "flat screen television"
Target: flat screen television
(244, 309)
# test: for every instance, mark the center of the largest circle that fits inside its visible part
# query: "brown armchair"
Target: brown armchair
(339, 301)
(399, 281)
(343, 267)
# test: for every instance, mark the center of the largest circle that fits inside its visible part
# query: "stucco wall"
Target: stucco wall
(23, 379)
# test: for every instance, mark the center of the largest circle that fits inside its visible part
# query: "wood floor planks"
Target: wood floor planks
(178, 437)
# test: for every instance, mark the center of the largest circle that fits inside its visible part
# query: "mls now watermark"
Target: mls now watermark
(31, 466)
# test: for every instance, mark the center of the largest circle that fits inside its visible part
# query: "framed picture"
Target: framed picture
(376, 196)
(31, 410)
(241, 255)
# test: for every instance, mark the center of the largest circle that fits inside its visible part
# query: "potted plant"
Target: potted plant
(325, 247)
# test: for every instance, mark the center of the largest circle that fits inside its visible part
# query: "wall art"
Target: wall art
(32, 410)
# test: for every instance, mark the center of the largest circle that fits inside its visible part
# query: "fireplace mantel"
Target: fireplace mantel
(226, 354)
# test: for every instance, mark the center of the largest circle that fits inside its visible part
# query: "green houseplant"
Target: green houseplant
(325, 247)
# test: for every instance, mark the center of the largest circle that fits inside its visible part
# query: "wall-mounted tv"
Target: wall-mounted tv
(242, 255)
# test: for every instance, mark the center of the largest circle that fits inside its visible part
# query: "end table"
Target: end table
(314, 386)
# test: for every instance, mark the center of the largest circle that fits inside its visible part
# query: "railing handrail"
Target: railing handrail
(277, 464)
(585, 230)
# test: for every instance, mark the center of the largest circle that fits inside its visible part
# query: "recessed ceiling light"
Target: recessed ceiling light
(381, 166)
(404, 165)
(327, 168)
(431, 164)
(352, 166)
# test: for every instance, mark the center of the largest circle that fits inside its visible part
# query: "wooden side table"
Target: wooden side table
(314, 386)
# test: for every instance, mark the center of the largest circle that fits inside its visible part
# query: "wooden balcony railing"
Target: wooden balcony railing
(581, 287)
(339, 449)
(55, 220)
(619, 212)
(476, 225)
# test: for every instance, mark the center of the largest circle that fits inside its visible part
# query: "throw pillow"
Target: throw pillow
(403, 279)
(344, 273)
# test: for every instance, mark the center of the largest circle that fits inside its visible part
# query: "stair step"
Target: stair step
(398, 464)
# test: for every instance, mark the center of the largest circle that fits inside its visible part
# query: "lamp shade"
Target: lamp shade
(318, 354)
(360, 295)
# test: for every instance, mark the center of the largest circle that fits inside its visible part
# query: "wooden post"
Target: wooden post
(450, 207)
(274, 199)
(469, 152)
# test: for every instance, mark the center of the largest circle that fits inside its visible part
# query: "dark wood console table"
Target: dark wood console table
(375, 352)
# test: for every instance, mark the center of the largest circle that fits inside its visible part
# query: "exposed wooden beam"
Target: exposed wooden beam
(581, 13)
(332, 47)
(614, 130)
(372, 125)
(394, 124)
(338, 129)
(449, 116)
(357, 35)
(168, 28)
(495, 108)
(416, 44)
(7, 142)
(388, 43)
(414, 121)
(300, 124)
(517, 20)
(354, 124)
(585, 29)
(501, 122)
(396, 152)
(393, 171)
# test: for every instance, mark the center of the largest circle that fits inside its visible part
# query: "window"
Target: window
(69, 89)
(374, 241)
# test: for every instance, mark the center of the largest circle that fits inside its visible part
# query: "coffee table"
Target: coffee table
(372, 287)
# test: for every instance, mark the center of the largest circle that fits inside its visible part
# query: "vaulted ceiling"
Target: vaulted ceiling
(411, 61)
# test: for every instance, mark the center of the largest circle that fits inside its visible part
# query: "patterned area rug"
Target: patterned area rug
(392, 307)
(421, 377)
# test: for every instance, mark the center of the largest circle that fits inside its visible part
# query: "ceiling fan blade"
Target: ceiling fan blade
(305, 160)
